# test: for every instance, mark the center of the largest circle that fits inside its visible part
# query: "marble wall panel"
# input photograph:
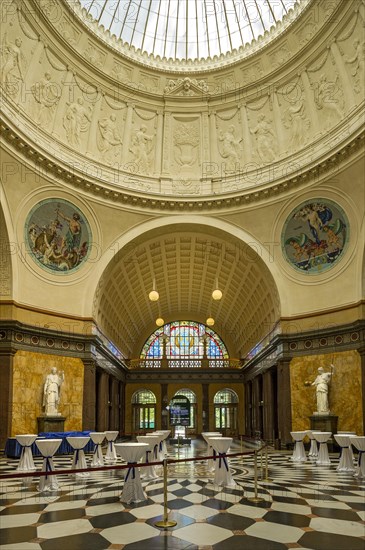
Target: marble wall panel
(345, 395)
(29, 373)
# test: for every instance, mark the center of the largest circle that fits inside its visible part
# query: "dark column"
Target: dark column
(121, 407)
(89, 396)
(248, 406)
(6, 396)
(114, 402)
(284, 401)
(102, 413)
(205, 423)
(256, 406)
(362, 358)
(164, 403)
(268, 406)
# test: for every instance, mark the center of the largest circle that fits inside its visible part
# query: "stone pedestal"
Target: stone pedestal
(51, 423)
(324, 423)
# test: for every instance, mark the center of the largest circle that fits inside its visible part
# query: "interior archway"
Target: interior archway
(186, 262)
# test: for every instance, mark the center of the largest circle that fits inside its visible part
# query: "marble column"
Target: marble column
(114, 409)
(89, 396)
(268, 406)
(361, 352)
(164, 402)
(248, 406)
(102, 413)
(284, 401)
(205, 392)
(6, 395)
(256, 406)
(121, 407)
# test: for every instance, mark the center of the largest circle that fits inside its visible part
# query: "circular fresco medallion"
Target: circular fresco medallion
(58, 236)
(315, 236)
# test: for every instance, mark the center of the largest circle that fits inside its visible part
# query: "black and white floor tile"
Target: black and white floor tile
(304, 506)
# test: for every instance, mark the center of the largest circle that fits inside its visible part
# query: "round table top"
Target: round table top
(26, 439)
(111, 435)
(160, 435)
(322, 437)
(221, 444)
(163, 433)
(358, 441)
(148, 439)
(209, 437)
(78, 442)
(97, 437)
(130, 451)
(48, 447)
(342, 439)
(298, 435)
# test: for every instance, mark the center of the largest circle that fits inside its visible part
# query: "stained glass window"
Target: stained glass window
(144, 397)
(184, 342)
(225, 396)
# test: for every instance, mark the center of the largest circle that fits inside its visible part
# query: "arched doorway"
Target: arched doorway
(225, 412)
(143, 411)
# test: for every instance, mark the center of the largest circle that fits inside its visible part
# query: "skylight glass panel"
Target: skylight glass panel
(187, 29)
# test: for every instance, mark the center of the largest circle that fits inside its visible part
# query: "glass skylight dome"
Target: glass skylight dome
(188, 29)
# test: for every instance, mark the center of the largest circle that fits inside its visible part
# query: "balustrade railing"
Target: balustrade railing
(184, 363)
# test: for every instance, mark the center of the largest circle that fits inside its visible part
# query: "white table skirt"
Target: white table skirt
(97, 438)
(210, 451)
(160, 451)
(132, 453)
(322, 438)
(299, 452)
(149, 472)
(313, 451)
(346, 463)
(111, 455)
(359, 443)
(26, 462)
(222, 474)
(78, 460)
(162, 443)
(47, 448)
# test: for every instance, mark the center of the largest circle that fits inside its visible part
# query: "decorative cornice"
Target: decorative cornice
(283, 347)
(52, 168)
(16, 336)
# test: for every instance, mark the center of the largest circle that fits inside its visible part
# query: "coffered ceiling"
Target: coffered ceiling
(186, 265)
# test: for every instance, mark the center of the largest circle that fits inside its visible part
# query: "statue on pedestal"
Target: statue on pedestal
(52, 392)
(322, 385)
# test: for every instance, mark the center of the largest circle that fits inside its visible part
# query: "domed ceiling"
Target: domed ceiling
(188, 29)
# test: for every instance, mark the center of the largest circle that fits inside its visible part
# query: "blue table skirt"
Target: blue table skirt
(13, 449)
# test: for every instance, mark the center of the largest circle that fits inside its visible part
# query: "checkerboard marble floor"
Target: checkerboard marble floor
(303, 506)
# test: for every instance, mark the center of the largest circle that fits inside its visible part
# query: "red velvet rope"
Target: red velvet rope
(121, 467)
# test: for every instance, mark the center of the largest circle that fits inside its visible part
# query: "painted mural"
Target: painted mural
(58, 236)
(315, 236)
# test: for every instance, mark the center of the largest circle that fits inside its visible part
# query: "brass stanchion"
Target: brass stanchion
(165, 522)
(266, 478)
(256, 498)
(261, 465)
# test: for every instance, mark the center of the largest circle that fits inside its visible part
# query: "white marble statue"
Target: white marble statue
(322, 385)
(52, 392)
